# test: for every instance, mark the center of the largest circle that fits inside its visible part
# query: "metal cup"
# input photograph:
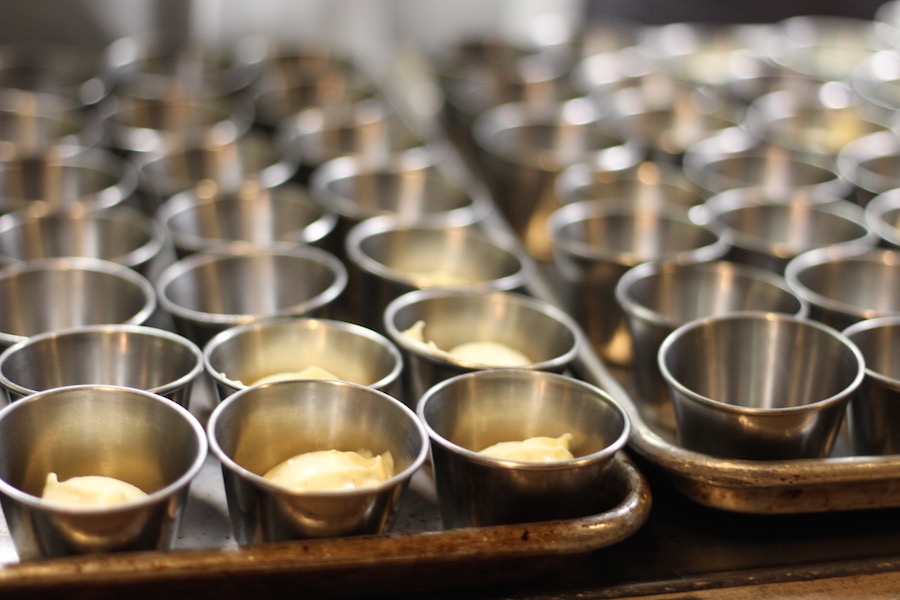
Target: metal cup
(524, 147)
(734, 382)
(259, 427)
(596, 242)
(467, 413)
(119, 234)
(207, 217)
(659, 296)
(734, 159)
(409, 184)
(136, 356)
(60, 177)
(545, 335)
(390, 256)
(240, 356)
(211, 291)
(33, 122)
(846, 285)
(871, 164)
(56, 293)
(769, 234)
(874, 412)
(882, 216)
(877, 81)
(58, 69)
(131, 435)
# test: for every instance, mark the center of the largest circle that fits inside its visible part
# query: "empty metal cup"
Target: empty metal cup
(596, 242)
(391, 256)
(871, 164)
(259, 427)
(846, 285)
(210, 291)
(734, 159)
(228, 164)
(32, 122)
(62, 178)
(874, 413)
(467, 413)
(883, 217)
(524, 147)
(241, 356)
(548, 338)
(136, 356)
(206, 217)
(660, 296)
(56, 293)
(124, 433)
(119, 234)
(770, 234)
(759, 385)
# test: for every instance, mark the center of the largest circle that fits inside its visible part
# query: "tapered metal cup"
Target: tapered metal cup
(467, 413)
(257, 428)
(124, 433)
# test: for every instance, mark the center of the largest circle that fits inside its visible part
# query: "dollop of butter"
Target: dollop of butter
(488, 353)
(90, 491)
(537, 449)
(325, 470)
(311, 372)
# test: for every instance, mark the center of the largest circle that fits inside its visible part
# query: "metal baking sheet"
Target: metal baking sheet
(416, 553)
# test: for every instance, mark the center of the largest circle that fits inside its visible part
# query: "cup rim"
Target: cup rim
(232, 333)
(152, 498)
(258, 480)
(751, 411)
(539, 306)
(649, 269)
(876, 209)
(608, 451)
(130, 329)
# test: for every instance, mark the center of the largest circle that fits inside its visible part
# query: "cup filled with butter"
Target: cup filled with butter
(95, 468)
(313, 458)
(445, 332)
(514, 445)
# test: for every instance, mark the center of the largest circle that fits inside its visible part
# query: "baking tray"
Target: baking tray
(417, 554)
(839, 482)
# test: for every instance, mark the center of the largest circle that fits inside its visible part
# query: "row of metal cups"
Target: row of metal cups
(69, 409)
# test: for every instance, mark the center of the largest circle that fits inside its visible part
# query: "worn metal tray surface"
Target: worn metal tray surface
(417, 554)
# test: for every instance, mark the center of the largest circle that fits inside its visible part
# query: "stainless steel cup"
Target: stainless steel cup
(660, 296)
(877, 81)
(124, 433)
(227, 163)
(240, 356)
(846, 285)
(524, 147)
(882, 216)
(409, 184)
(390, 256)
(759, 385)
(769, 234)
(136, 356)
(62, 70)
(206, 217)
(467, 413)
(734, 159)
(259, 427)
(211, 291)
(871, 164)
(596, 242)
(60, 177)
(874, 414)
(33, 122)
(546, 336)
(56, 293)
(119, 234)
